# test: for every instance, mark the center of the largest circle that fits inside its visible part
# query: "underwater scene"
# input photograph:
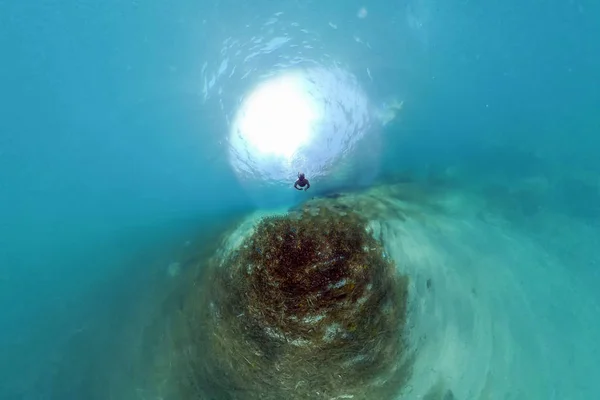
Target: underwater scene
(235, 200)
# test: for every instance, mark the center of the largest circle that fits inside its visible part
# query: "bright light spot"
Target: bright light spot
(362, 13)
(305, 120)
(278, 118)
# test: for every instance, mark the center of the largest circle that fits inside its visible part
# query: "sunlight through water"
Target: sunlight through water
(292, 105)
(277, 118)
(302, 120)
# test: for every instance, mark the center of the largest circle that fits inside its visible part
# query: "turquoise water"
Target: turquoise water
(119, 144)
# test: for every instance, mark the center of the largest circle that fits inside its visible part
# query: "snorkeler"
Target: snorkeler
(302, 181)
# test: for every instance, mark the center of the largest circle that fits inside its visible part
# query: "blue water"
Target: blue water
(115, 146)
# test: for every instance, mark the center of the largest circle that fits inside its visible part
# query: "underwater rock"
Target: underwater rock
(449, 395)
(307, 306)
(438, 392)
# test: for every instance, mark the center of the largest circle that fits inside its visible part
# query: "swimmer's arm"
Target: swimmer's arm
(307, 185)
(296, 186)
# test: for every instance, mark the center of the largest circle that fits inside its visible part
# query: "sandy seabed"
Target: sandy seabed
(495, 309)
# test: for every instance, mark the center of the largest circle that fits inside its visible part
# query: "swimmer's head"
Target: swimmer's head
(300, 175)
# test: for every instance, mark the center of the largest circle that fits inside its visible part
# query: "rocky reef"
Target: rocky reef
(304, 305)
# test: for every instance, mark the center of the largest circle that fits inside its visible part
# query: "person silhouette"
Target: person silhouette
(302, 181)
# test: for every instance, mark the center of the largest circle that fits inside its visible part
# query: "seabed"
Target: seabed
(393, 293)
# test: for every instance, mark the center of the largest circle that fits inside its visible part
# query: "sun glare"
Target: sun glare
(278, 118)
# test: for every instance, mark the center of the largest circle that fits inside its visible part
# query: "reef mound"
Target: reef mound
(307, 306)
